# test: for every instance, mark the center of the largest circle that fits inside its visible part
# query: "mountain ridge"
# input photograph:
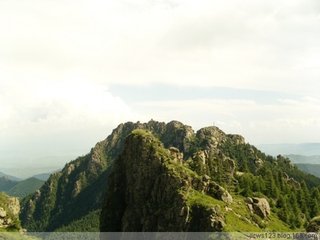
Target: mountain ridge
(10, 177)
(82, 187)
(66, 185)
(307, 149)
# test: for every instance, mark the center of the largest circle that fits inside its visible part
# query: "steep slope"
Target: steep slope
(67, 195)
(25, 187)
(272, 194)
(148, 191)
(200, 171)
(9, 213)
(151, 189)
(78, 189)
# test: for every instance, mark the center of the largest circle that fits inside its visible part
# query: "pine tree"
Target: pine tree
(246, 185)
(296, 221)
(271, 187)
(314, 204)
(283, 209)
(303, 204)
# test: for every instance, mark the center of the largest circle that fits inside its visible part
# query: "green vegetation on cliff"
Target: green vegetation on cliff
(25, 187)
(151, 189)
(165, 177)
(19, 188)
(9, 213)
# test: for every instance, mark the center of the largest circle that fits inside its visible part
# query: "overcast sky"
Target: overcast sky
(72, 70)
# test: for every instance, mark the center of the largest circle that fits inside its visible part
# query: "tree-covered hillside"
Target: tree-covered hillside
(25, 187)
(20, 188)
(203, 170)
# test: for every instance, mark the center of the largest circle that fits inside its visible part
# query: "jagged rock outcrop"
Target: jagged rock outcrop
(206, 219)
(211, 137)
(148, 191)
(259, 206)
(237, 139)
(291, 181)
(9, 213)
(163, 177)
(67, 195)
(219, 192)
(176, 154)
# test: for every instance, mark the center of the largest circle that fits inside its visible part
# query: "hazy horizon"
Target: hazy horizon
(70, 72)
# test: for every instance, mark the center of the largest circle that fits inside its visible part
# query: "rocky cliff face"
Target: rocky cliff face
(9, 213)
(149, 190)
(165, 177)
(68, 195)
(152, 188)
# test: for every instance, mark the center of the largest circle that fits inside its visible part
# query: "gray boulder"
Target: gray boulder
(259, 206)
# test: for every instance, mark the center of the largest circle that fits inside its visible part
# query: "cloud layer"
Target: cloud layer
(59, 61)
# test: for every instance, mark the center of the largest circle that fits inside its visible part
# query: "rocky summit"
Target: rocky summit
(150, 190)
(159, 176)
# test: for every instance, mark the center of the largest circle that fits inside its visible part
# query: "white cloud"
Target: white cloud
(64, 118)
(63, 104)
(286, 120)
(249, 44)
(57, 59)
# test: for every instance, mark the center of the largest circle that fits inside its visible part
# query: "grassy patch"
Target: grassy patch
(240, 219)
(196, 198)
(275, 224)
(142, 132)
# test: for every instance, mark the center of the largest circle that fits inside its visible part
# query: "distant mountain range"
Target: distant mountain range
(306, 155)
(42, 176)
(6, 184)
(315, 159)
(313, 169)
(20, 188)
(308, 164)
(18, 173)
(306, 149)
(25, 187)
(9, 177)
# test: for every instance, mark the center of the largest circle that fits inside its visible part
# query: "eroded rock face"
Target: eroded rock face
(9, 211)
(176, 154)
(219, 192)
(259, 206)
(71, 189)
(3, 213)
(206, 220)
(211, 188)
(211, 137)
(237, 139)
(14, 206)
(147, 192)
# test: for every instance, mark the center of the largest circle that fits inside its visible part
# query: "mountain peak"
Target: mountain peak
(145, 179)
(158, 176)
